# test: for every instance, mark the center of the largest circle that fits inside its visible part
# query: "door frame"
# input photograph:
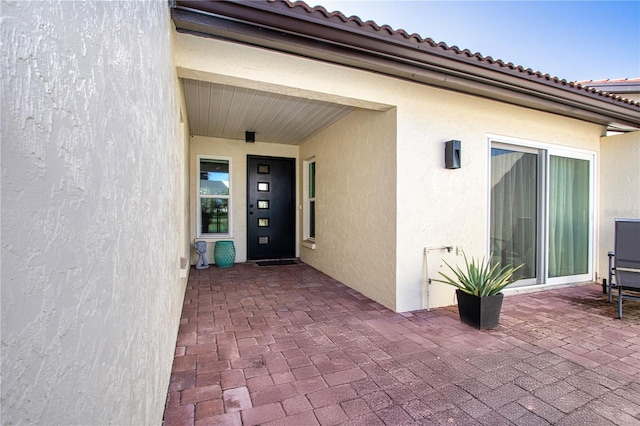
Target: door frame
(545, 150)
(293, 212)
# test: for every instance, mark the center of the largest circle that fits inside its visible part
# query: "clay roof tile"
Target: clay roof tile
(390, 32)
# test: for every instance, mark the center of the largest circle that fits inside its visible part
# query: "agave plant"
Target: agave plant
(480, 278)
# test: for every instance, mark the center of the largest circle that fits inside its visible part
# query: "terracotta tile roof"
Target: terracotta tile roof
(386, 31)
(616, 81)
(607, 87)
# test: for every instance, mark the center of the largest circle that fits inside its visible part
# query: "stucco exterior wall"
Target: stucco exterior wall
(435, 206)
(441, 207)
(93, 165)
(619, 188)
(356, 203)
(236, 151)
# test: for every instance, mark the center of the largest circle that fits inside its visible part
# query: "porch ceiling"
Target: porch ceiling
(223, 111)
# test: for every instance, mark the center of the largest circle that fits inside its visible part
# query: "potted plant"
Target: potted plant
(479, 290)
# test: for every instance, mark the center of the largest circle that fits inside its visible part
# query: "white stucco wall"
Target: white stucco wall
(619, 189)
(236, 151)
(356, 203)
(435, 206)
(441, 207)
(93, 168)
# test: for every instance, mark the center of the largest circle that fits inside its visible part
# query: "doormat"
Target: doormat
(277, 262)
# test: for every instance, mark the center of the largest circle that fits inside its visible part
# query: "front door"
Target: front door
(271, 210)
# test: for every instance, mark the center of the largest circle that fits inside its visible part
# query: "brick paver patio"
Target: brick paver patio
(288, 345)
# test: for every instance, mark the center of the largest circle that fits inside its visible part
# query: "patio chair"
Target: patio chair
(624, 261)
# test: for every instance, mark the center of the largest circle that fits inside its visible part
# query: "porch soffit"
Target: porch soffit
(223, 111)
(299, 29)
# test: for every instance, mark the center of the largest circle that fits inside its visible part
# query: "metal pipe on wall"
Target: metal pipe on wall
(427, 281)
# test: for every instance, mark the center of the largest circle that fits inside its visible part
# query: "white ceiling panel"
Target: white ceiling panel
(223, 111)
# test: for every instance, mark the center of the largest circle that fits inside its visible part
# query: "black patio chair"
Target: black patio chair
(624, 261)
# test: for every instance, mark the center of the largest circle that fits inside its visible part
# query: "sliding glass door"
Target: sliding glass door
(540, 212)
(514, 209)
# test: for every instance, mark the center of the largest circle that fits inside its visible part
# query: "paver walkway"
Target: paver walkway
(288, 345)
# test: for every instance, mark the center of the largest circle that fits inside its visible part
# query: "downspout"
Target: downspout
(427, 281)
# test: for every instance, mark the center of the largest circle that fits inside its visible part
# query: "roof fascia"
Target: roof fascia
(281, 28)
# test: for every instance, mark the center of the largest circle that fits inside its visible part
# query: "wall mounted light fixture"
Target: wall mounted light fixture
(452, 152)
(249, 137)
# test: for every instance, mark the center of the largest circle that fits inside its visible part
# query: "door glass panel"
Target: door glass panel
(514, 210)
(568, 216)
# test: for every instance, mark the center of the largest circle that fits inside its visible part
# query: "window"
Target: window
(214, 197)
(310, 200)
(542, 212)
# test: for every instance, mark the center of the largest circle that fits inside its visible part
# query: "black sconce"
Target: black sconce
(249, 136)
(452, 158)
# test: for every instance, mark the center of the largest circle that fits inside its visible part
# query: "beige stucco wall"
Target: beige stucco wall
(435, 206)
(441, 207)
(356, 203)
(619, 188)
(93, 166)
(236, 151)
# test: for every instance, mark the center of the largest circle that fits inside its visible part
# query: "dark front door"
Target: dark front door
(271, 210)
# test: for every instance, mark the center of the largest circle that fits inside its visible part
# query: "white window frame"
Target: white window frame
(200, 196)
(545, 151)
(308, 240)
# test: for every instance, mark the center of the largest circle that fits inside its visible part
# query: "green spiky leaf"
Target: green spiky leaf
(480, 277)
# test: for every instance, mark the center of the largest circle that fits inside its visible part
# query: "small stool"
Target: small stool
(224, 254)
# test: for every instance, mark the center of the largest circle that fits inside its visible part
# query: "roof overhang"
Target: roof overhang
(298, 30)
